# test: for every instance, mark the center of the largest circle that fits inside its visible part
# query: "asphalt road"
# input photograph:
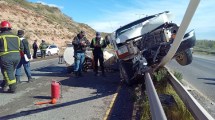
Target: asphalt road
(85, 98)
(200, 75)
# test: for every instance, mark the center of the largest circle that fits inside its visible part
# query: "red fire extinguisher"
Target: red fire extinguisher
(55, 90)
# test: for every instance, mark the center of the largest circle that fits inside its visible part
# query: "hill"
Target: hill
(42, 22)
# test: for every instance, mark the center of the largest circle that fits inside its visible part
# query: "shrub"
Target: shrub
(160, 74)
(178, 75)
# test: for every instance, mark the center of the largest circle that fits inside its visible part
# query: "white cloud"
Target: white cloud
(202, 21)
(51, 5)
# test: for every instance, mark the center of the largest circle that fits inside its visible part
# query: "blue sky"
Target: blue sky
(108, 15)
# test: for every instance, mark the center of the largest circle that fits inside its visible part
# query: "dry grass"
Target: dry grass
(177, 111)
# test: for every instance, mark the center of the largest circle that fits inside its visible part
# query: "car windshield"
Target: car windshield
(53, 46)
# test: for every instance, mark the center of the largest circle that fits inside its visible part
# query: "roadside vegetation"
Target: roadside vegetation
(178, 75)
(173, 106)
(205, 47)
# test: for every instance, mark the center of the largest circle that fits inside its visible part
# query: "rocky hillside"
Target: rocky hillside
(41, 22)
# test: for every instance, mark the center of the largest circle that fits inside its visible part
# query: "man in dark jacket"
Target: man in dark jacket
(97, 45)
(35, 47)
(25, 57)
(79, 43)
(10, 46)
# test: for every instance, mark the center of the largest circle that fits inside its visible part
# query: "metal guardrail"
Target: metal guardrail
(156, 108)
(198, 112)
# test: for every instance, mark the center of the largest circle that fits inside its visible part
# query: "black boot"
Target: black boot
(18, 81)
(12, 88)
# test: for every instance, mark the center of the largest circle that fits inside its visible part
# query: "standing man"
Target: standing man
(35, 47)
(98, 44)
(10, 46)
(43, 48)
(80, 43)
(24, 61)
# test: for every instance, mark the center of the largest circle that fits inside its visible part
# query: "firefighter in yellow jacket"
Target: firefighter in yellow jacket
(10, 46)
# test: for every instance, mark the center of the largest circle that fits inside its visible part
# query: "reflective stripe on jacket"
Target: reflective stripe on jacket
(9, 43)
(101, 42)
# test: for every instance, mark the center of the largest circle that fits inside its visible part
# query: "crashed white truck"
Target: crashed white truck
(142, 44)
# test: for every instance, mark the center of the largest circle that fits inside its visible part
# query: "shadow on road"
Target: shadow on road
(29, 112)
(210, 83)
(124, 105)
(50, 71)
(104, 86)
(211, 79)
(43, 97)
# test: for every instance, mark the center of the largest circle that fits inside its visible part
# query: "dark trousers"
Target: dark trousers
(26, 66)
(35, 53)
(43, 53)
(8, 64)
(100, 58)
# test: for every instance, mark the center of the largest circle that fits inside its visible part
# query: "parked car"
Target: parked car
(51, 50)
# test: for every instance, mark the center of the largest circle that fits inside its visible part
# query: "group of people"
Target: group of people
(14, 53)
(97, 46)
(43, 46)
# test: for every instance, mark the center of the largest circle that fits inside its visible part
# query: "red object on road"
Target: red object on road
(44, 102)
(53, 101)
(55, 90)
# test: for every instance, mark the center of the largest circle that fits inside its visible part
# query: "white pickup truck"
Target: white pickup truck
(142, 44)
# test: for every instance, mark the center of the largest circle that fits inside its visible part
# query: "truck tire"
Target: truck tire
(126, 72)
(184, 57)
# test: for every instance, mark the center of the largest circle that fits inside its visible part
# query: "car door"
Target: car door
(54, 49)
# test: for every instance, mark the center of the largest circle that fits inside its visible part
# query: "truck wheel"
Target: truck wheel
(126, 72)
(184, 57)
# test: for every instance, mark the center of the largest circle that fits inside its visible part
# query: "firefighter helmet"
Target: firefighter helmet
(5, 24)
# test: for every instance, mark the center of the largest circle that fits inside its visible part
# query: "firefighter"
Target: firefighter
(43, 48)
(10, 46)
(24, 61)
(97, 45)
(80, 43)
